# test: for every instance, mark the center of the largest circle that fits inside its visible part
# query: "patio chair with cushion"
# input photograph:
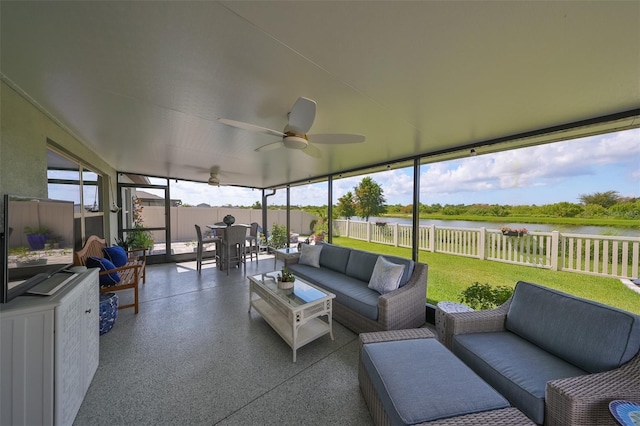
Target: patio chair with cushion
(200, 248)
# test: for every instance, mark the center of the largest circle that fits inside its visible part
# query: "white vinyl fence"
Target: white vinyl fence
(611, 256)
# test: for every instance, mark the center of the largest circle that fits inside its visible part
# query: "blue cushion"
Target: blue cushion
(350, 292)
(420, 380)
(516, 368)
(116, 254)
(361, 264)
(334, 257)
(104, 265)
(589, 335)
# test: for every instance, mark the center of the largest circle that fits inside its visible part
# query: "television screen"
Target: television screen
(38, 242)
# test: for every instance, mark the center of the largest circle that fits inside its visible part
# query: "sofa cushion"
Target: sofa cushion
(310, 255)
(350, 292)
(361, 264)
(420, 380)
(386, 276)
(516, 368)
(334, 257)
(587, 334)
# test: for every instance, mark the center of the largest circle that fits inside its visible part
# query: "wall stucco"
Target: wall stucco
(24, 131)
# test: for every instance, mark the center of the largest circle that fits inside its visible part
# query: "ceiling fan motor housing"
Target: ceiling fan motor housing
(295, 141)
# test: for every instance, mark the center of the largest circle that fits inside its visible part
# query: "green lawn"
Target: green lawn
(449, 275)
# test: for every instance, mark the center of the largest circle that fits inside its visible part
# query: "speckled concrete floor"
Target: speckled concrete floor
(195, 356)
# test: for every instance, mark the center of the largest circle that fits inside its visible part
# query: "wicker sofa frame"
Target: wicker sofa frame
(582, 400)
(397, 309)
(504, 417)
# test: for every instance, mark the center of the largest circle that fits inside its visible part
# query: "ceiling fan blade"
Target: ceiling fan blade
(302, 116)
(335, 138)
(270, 146)
(250, 127)
(312, 151)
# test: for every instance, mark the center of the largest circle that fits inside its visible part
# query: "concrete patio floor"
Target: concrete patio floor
(194, 355)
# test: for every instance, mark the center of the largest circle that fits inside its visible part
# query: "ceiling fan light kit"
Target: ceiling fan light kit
(295, 141)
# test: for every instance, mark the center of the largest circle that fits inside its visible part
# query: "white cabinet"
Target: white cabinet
(49, 353)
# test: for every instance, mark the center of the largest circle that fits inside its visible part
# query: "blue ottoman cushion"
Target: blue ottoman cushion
(420, 380)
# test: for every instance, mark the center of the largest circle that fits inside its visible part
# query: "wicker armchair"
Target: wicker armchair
(578, 400)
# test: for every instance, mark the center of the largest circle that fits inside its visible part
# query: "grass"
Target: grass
(449, 275)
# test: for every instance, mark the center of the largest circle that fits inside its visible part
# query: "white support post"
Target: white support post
(481, 240)
(555, 239)
(432, 238)
(395, 234)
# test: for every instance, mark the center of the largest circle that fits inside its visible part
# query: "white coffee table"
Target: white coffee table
(294, 314)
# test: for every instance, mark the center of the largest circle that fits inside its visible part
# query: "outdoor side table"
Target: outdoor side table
(443, 308)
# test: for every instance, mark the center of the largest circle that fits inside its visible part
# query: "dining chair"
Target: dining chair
(252, 240)
(234, 246)
(200, 247)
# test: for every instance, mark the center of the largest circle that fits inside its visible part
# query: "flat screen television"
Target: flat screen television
(37, 242)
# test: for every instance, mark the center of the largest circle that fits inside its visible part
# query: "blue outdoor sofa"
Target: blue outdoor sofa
(346, 273)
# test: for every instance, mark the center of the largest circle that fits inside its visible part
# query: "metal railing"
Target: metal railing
(610, 256)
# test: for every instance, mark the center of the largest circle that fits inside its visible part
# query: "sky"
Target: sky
(537, 175)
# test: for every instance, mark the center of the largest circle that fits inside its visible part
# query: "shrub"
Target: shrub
(483, 296)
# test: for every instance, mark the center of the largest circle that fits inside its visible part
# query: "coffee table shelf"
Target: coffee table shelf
(294, 314)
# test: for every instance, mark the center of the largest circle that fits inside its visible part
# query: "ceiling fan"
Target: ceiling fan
(294, 135)
(214, 179)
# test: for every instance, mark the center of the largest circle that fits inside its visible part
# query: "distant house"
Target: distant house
(203, 205)
(148, 199)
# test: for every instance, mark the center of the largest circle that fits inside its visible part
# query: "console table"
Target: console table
(49, 348)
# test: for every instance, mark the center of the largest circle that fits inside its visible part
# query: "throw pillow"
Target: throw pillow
(386, 276)
(116, 255)
(104, 265)
(310, 255)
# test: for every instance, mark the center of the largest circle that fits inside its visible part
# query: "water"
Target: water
(533, 227)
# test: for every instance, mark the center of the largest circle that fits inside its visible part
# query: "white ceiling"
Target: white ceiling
(143, 83)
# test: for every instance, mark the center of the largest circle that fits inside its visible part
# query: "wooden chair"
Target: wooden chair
(130, 274)
(200, 248)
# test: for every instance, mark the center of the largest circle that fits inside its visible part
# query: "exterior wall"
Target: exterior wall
(24, 131)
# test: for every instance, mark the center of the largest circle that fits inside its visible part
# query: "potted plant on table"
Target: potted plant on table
(285, 279)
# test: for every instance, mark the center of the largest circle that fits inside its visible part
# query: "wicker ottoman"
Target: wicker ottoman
(108, 311)
(447, 393)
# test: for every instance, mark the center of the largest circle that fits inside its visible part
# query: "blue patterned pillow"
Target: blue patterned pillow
(104, 265)
(386, 276)
(116, 255)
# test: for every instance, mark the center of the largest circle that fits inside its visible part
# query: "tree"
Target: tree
(369, 199)
(604, 199)
(257, 205)
(346, 206)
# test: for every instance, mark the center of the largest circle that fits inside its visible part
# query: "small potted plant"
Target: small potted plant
(285, 279)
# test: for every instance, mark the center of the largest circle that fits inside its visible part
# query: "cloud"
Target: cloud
(539, 166)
